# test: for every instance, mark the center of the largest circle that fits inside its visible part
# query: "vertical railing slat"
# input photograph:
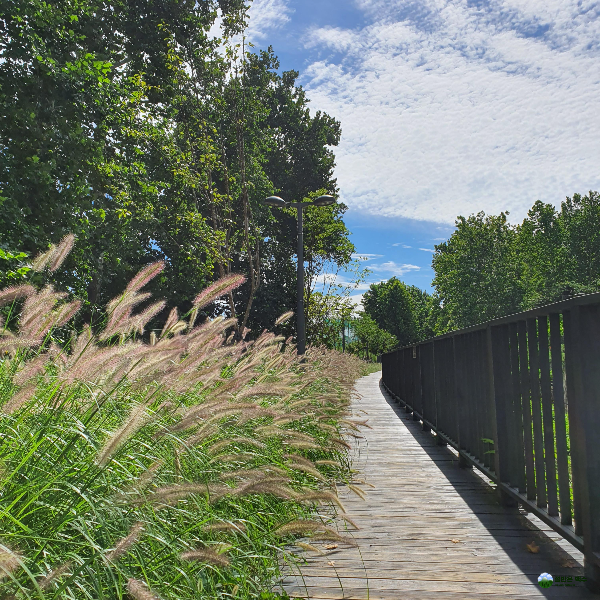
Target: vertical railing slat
(548, 419)
(564, 489)
(536, 413)
(526, 407)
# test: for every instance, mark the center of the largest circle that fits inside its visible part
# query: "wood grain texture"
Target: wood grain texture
(428, 528)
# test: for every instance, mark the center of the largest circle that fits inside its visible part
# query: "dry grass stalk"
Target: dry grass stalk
(238, 439)
(138, 590)
(303, 526)
(226, 526)
(357, 491)
(309, 547)
(137, 418)
(10, 561)
(255, 474)
(125, 543)
(55, 575)
(322, 496)
(206, 555)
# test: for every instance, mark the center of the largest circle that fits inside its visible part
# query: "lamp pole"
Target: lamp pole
(277, 202)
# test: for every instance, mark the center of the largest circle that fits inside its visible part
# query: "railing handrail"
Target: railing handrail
(546, 309)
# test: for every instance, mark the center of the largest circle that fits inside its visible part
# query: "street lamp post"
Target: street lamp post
(277, 202)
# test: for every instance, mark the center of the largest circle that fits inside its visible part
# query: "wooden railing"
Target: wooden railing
(519, 398)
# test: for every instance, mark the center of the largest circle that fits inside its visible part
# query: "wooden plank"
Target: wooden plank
(526, 406)
(428, 529)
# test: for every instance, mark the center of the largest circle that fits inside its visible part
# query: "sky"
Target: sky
(447, 107)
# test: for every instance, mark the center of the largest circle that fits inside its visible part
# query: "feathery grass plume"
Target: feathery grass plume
(335, 537)
(206, 555)
(237, 439)
(138, 590)
(125, 543)
(286, 419)
(273, 485)
(217, 289)
(174, 493)
(12, 293)
(357, 491)
(226, 526)
(348, 520)
(9, 561)
(20, 398)
(300, 445)
(61, 252)
(322, 496)
(284, 317)
(303, 526)
(146, 275)
(206, 431)
(42, 260)
(339, 442)
(31, 369)
(239, 457)
(141, 483)
(307, 468)
(309, 547)
(171, 320)
(255, 474)
(55, 575)
(137, 418)
(299, 404)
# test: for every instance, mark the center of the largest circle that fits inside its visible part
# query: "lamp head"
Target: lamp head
(325, 200)
(275, 201)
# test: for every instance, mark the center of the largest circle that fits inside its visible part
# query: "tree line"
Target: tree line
(131, 126)
(490, 268)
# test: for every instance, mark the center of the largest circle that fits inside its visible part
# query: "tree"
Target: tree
(392, 307)
(370, 338)
(477, 271)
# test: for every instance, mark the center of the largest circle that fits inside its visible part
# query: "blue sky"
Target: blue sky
(447, 107)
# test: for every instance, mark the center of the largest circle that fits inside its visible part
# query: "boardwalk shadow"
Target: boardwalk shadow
(515, 530)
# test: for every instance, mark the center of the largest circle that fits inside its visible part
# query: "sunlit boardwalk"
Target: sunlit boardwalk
(430, 529)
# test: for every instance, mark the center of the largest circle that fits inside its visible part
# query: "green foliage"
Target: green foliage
(166, 469)
(370, 338)
(13, 269)
(127, 126)
(392, 306)
(477, 270)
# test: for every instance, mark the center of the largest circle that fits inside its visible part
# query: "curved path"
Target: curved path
(430, 529)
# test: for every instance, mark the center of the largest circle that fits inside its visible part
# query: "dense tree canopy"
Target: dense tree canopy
(127, 125)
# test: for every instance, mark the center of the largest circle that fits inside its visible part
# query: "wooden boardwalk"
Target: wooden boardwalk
(430, 529)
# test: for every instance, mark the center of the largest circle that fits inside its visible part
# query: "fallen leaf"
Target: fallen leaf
(330, 546)
(331, 563)
(570, 564)
(533, 548)
(455, 541)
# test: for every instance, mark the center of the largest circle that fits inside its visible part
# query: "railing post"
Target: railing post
(500, 377)
(582, 350)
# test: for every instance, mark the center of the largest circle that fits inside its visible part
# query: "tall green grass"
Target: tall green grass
(186, 467)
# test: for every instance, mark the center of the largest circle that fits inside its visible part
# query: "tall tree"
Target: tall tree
(477, 275)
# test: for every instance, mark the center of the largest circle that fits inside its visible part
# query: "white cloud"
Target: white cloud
(403, 245)
(451, 107)
(393, 268)
(427, 249)
(265, 16)
(365, 257)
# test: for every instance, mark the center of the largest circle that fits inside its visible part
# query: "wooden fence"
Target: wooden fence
(519, 398)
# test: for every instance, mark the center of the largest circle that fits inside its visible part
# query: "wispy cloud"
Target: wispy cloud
(365, 257)
(453, 106)
(403, 245)
(393, 268)
(265, 16)
(427, 249)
